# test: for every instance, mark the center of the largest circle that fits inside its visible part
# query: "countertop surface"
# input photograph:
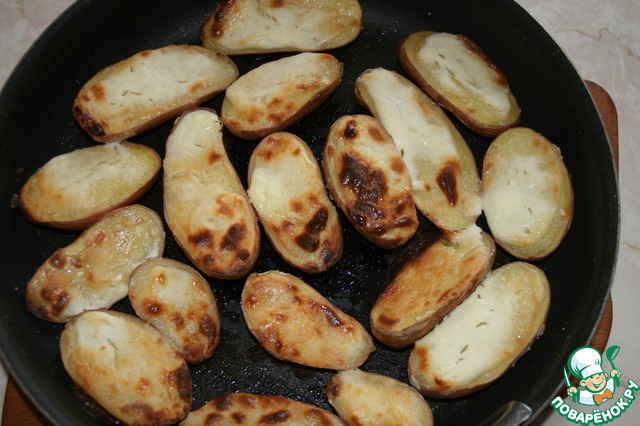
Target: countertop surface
(602, 40)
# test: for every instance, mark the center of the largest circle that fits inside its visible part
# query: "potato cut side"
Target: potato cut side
(179, 302)
(205, 205)
(277, 94)
(295, 323)
(432, 280)
(254, 409)
(287, 190)
(73, 190)
(369, 181)
(446, 185)
(127, 367)
(150, 87)
(363, 398)
(257, 26)
(93, 272)
(457, 74)
(528, 194)
(484, 336)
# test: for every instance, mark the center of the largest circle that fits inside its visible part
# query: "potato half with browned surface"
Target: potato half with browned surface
(277, 94)
(369, 399)
(369, 181)
(287, 190)
(253, 409)
(74, 190)
(179, 302)
(432, 279)
(293, 322)
(528, 194)
(149, 88)
(484, 336)
(263, 26)
(127, 367)
(93, 272)
(446, 185)
(205, 204)
(457, 74)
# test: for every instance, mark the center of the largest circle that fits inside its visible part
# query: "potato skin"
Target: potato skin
(369, 181)
(179, 302)
(93, 272)
(287, 190)
(295, 323)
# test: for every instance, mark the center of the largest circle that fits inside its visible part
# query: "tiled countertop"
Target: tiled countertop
(602, 40)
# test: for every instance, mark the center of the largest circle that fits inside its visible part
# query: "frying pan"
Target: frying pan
(36, 124)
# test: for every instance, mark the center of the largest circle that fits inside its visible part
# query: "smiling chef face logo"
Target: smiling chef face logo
(594, 388)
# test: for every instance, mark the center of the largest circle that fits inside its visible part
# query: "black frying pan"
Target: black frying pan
(36, 124)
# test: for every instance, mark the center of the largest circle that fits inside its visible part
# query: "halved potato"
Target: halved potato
(277, 94)
(457, 74)
(205, 204)
(370, 399)
(150, 87)
(127, 367)
(369, 181)
(528, 195)
(93, 272)
(429, 284)
(74, 190)
(293, 322)
(179, 302)
(484, 336)
(264, 26)
(446, 185)
(287, 190)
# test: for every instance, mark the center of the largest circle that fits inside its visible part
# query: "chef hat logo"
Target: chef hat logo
(585, 362)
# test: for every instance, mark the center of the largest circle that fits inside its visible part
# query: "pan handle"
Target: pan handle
(513, 413)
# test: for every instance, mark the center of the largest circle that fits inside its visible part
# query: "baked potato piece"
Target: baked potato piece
(127, 367)
(457, 74)
(287, 190)
(277, 94)
(93, 271)
(484, 336)
(74, 190)
(205, 204)
(263, 26)
(253, 409)
(370, 399)
(295, 323)
(528, 194)
(179, 302)
(446, 185)
(431, 280)
(122, 100)
(369, 181)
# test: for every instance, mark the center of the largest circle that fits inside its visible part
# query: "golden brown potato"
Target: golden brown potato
(528, 195)
(484, 336)
(178, 301)
(93, 272)
(122, 101)
(293, 322)
(264, 26)
(127, 367)
(205, 204)
(74, 190)
(287, 190)
(369, 181)
(430, 283)
(446, 185)
(457, 74)
(277, 94)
